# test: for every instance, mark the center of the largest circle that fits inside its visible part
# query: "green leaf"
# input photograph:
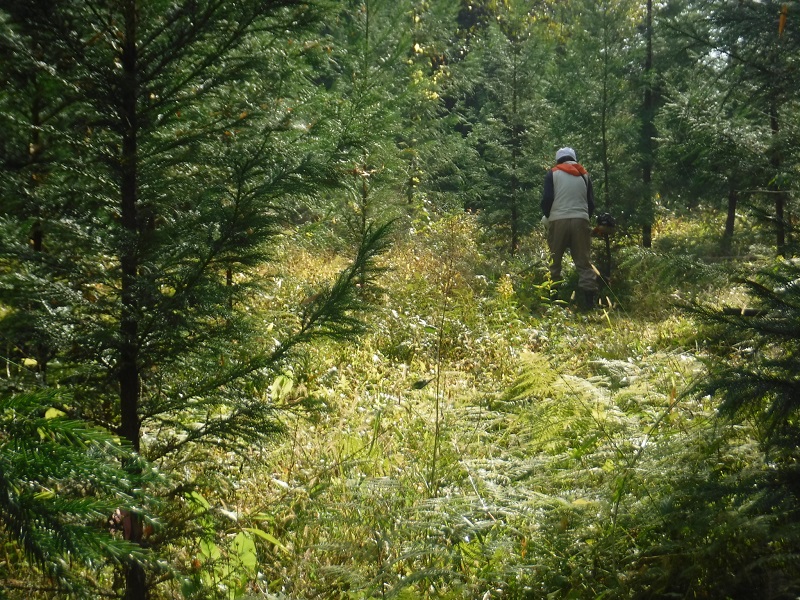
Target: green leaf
(209, 550)
(245, 550)
(268, 537)
(197, 498)
(281, 387)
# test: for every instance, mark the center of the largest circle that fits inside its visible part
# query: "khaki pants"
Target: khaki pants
(574, 234)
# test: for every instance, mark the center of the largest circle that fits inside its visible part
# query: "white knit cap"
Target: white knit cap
(566, 151)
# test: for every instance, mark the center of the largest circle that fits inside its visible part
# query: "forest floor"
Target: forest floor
(487, 438)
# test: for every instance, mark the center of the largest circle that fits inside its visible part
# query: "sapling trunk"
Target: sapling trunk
(437, 426)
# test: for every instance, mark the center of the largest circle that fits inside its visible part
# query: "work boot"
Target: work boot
(587, 300)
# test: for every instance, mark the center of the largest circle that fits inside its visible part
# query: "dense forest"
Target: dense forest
(276, 318)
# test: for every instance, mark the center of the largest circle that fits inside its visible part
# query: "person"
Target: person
(567, 204)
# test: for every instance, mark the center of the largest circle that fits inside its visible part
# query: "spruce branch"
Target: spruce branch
(60, 482)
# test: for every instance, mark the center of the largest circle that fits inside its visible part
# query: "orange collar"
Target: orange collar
(571, 168)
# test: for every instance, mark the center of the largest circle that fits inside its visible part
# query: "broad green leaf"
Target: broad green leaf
(245, 550)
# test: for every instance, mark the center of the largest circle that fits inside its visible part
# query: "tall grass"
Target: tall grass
(568, 463)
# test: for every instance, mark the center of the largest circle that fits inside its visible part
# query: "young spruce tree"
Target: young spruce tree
(151, 150)
(501, 108)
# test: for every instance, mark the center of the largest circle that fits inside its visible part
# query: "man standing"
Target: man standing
(567, 204)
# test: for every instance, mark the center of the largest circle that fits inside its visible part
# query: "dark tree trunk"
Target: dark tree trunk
(129, 359)
(34, 150)
(604, 139)
(37, 236)
(229, 284)
(129, 384)
(41, 349)
(604, 116)
(516, 144)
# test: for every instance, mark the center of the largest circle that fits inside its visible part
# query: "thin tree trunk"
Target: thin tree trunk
(229, 285)
(41, 349)
(647, 131)
(129, 369)
(780, 197)
(364, 224)
(606, 164)
(515, 152)
(34, 150)
(604, 114)
(733, 200)
(129, 384)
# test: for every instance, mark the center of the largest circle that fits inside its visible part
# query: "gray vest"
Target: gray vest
(570, 198)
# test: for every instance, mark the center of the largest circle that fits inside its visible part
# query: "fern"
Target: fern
(653, 281)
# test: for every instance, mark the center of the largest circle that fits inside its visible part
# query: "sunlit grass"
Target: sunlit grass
(348, 493)
(482, 439)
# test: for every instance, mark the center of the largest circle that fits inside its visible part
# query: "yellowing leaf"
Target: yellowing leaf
(53, 413)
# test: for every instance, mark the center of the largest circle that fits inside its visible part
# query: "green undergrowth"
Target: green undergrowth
(487, 440)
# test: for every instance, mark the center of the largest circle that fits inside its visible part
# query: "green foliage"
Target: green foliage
(570, 463)
(733, 106)
(597, 65)
(172, 142)
(502, 76)
(369, 87)
(740, 502)
(342, 418)
(710, 142)
(61, 484)
(653, 281)
(223, 558)
(757, 376)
